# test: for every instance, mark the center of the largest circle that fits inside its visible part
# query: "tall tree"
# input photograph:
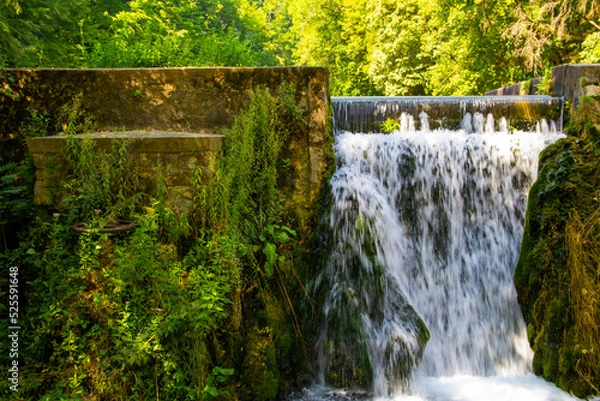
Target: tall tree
(470, 54)
(552, 32)
(399, 58)
(334, 33)
(40, 32)
(414, 47)
(152, 33)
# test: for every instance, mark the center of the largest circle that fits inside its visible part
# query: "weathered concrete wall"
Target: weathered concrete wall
(172, 99)
(519, 89)
(576, 80)
(191, 100)
(569, 80)
(173, 155)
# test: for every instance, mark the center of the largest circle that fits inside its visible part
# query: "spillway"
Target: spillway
(426, 224)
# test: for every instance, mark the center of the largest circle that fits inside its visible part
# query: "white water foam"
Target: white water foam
(442, 213)
(454, 388)
(477, 388)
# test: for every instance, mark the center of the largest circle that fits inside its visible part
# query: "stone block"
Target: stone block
(511, 90)
(558, 80)
(173, 155)
(519, 89)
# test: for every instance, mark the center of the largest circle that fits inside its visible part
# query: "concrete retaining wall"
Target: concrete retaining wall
(569, 80)
(199, 102)
(172, 99)
(523, 88)
(173, 155)
(576, 80)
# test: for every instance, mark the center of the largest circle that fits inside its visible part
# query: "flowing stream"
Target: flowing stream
(418, 296)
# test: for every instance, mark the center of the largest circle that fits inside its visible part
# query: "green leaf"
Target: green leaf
(282, 237)
(270, 251)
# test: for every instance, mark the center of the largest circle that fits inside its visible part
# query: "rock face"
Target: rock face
(558, 273)
(197, 101)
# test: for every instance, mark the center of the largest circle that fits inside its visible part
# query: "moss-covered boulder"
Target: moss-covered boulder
(558, 273)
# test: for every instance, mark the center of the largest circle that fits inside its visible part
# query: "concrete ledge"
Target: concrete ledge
(176, 154)
(141, 141)
(366, 114)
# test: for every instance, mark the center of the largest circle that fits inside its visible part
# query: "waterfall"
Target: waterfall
(426, 227)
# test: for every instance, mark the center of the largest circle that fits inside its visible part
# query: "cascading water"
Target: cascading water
(418, 291)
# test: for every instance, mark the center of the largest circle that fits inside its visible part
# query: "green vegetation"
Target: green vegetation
(390, 125)
(138, 33)
(183, 307)
(414, 47)
(558, 273)
(17, 177)
(165, 310)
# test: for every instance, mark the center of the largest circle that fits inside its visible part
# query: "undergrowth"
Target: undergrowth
(17, 177)
(241, 200)
(183, 307)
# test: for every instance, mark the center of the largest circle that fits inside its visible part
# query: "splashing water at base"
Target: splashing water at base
(426, 230)
(455, 388)
(494, 388)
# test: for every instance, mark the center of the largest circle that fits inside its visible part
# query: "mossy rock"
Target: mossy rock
(556, 276)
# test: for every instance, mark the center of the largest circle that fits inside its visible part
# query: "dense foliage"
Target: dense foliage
(413, 47)
(558, 273)
(186, 306)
